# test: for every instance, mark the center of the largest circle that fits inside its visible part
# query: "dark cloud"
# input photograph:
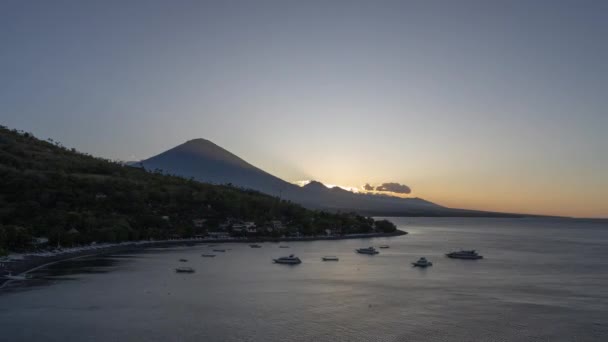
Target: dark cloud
(368, 187)
(394, 187)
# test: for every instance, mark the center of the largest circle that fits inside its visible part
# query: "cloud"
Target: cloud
(368, 187)
(394, 187)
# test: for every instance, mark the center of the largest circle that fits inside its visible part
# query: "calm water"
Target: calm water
(542, 280)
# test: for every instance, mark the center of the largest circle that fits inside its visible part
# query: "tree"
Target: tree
(385, 226)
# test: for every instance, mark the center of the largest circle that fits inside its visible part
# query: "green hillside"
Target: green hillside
(48, 190)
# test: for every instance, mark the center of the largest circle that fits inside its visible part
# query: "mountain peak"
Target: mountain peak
(315, 185)
(199, 141)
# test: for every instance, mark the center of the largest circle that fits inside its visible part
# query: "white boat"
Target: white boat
(10, 276)
(368, 250)
(422, 262)
(330, 258)
(289, 260)
(465, 254)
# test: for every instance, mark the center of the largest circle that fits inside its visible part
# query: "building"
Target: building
(218, 235)
(199, 223)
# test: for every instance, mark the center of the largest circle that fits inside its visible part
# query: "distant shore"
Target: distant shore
(30, 262)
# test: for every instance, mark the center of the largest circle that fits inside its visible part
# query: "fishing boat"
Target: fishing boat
(288, 260)
(422, 262)
(465, 254)
(368, 250)
(184, 270)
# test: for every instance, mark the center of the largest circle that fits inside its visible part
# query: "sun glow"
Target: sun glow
(347, 188)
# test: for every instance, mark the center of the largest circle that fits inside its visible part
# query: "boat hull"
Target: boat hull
(422, 265)
(284, 262)
(464, 257)
(367, 253)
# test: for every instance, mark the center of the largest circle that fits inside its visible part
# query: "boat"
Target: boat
(283, 246)
(255, 246)
(368, 250)
(208, 255)
(422, 262)
(10, 276)
(384, 246)
(184, 270)
(464, 254)
(183, 260)
(289, 260)
(330, 258)
(219, 250)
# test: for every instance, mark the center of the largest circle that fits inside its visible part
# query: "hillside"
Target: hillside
(206, 162)
(51, 191)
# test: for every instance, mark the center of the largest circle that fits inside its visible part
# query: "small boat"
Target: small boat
(283, 246)
(255, 246)
(422, 262)
(208, 255)
(330, 258)
(384, 246)
(10, 276)
(184, 270)
(368, 250)
(464, 254)
(219, 250)
(289, 260)
(183, 260)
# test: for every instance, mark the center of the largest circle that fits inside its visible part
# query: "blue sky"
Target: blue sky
(479, 104)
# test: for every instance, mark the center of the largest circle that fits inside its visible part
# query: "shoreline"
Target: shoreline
(30, 263)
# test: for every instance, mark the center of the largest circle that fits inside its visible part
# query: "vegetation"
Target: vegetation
(50, 191)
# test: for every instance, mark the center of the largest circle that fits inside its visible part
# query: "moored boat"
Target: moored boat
(208, 255)
(184, 270)
(255, 246)
(384, 246)
(422, 262)
(465, 254)
(368, 250)
(183, 260)
(330, 258)
(219, 250)
(288, 260)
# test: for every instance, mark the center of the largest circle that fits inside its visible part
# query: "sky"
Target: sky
(490, 105)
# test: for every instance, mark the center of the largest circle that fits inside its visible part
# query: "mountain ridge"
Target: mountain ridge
(207, 162)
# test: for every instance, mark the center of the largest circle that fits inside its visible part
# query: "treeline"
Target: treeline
(48, 190)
